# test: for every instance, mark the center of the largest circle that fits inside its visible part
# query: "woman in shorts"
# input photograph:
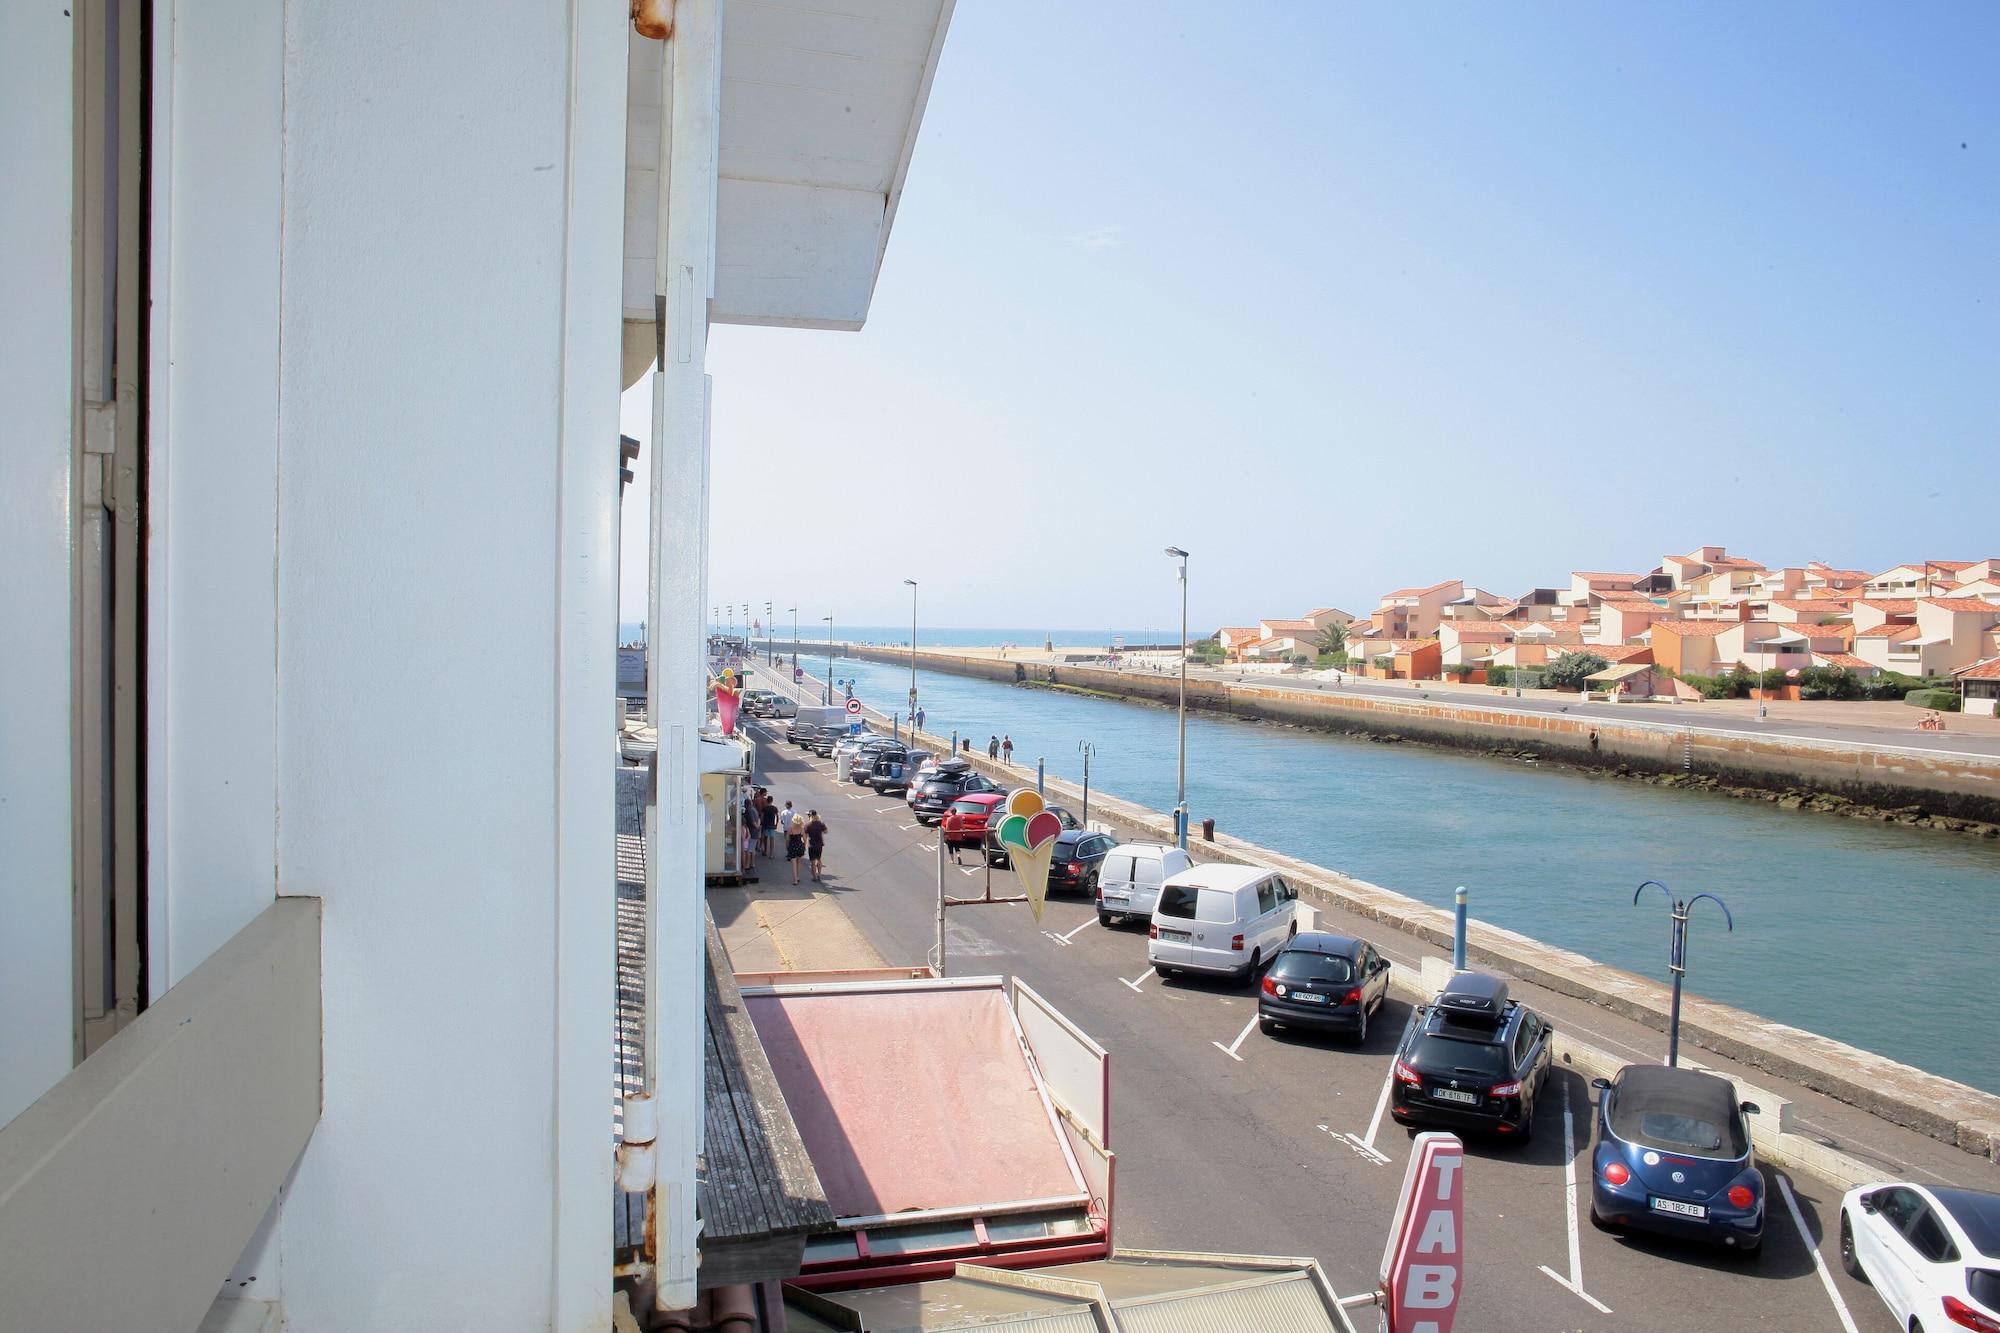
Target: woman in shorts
(795, 844)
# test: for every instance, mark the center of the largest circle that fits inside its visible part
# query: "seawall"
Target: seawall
(1887, 778)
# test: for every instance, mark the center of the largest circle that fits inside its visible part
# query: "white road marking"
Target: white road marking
(1137, 981)
(1819, 1264)
(891, 810)
(1574, 1282)
(1064, 939)
(904, 827)
(967, 871)
(1366, 1147)
(1230, 1049)
(928, 846)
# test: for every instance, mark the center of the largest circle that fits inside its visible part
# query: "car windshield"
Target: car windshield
(1301, 966)
(1677, 1111)
(1436, 1053)
(968, 807)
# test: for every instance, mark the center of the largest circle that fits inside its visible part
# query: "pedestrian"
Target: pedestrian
(1007, 750)
(749, 838)
(795, 841)
(767, 821)
(992, 747)
(815, 842)
(920, 719)
(785, 818)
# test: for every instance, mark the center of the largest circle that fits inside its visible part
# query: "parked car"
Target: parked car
(1128, 883)
(965, 820)
(997, 855)
(925, 771)
(808, 719)
(1078, 856)
(893, 770)
(954, 778)
(1220, 918)
(1931, 1252)
(831, 738)
(757, 703)
(1674, 1156)
(1474, 1059)
(1323, 980)
(865, 755)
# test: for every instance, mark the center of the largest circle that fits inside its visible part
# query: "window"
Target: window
(1217, 907)
(1437, 1054)
(1177, 900)
(1928, 1237)
(1898, 1207)
(1267, 895)
(1301, 966)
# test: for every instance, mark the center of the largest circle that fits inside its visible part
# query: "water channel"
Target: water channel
(1865, 932)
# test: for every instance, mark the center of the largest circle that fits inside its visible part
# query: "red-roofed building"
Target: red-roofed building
(1235, 638)
(1416, 612)
(1979, 688)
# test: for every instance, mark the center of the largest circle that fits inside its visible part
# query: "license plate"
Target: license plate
(1116, 898)
(1175, 936)
(1676, 1206)
(1454, 1095)
(1308, 997)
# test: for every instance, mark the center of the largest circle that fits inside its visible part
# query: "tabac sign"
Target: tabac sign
(1424, 1263)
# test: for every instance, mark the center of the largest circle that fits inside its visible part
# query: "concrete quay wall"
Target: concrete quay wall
(1887, 777)
(1946, 1110)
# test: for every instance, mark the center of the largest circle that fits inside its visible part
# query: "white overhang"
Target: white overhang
(821, 103)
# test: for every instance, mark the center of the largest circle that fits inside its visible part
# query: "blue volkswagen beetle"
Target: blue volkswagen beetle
(1673, 1156)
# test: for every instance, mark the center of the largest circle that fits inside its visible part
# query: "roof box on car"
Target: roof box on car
(1474, 997)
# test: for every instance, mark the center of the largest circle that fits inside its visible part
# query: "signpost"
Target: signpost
(1424, 1262)
(853, 716)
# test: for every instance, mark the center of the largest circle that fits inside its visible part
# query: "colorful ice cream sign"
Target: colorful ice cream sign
(1028, 833)
(728, 698)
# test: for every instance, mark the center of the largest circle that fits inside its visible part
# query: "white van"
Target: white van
(1220, 918)
(1129, 880)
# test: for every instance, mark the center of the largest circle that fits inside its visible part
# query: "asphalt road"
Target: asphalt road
(1231, 1140)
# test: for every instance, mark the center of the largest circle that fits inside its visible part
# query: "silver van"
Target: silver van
(1129, 881)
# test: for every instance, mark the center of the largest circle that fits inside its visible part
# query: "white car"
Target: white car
(1932, 1253)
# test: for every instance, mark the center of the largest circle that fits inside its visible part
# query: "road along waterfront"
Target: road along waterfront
(1844, 928)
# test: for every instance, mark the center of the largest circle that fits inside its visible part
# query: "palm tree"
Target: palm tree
(1333, 639)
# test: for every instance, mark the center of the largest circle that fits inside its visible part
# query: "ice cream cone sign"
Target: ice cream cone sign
(1028, 835)
(728, 697)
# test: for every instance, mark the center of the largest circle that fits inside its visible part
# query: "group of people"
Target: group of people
(1001, 748)
(1932, 720)
(764, 823)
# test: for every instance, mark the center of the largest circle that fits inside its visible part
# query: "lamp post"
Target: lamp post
(770, 637)
(1088, 750)
(913, 652)
(1677, 951)
(828, 699)
(1180, 786)
(795, 636)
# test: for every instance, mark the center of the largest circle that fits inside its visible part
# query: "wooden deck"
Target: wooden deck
(755, 1188)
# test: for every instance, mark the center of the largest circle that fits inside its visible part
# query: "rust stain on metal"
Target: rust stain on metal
(653, 18)
(649, 1244)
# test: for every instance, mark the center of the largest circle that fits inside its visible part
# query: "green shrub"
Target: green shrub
(1498, 675)
(1944, 701)
(1568, 671)
(1888, 685)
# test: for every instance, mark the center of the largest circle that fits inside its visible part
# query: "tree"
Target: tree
(1568, 671)
(1333, 639)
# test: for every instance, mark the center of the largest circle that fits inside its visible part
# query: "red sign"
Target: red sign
(1424, 1264)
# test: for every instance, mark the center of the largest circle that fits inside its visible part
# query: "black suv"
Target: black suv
(1472, 1059)
(953, 779)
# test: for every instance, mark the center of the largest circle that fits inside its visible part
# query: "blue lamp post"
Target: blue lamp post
(1677, 951)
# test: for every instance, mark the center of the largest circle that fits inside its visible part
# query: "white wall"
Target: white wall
(425, 389)
(36, 1000)
(212, 650)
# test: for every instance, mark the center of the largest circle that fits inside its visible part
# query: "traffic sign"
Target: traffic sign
(854, 707)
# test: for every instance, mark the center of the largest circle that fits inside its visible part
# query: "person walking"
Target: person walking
(1007, 749)
(815, 843)
(992, 747)
(768, 821)
(920, 718)
(795, 840)
(747, 831)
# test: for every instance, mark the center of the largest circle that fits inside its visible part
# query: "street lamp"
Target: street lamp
(1180, 800)
(1087, 749)
(913, 651)
(795, 636)
(829, 660)
(770, 635)
(1677, 940)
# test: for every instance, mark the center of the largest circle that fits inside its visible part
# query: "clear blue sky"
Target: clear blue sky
(1348, 298)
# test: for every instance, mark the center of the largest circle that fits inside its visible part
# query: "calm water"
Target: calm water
(1850, 929)
(628, 632)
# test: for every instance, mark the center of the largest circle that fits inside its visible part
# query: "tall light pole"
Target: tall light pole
(1180, 788)
(795, 636)
(770, 634)
(1677, 937)
(913, 651)
(829, 660)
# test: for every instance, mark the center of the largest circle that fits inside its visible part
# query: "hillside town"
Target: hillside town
(1706, 624)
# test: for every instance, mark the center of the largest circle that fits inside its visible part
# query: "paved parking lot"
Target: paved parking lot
(1228, 1139)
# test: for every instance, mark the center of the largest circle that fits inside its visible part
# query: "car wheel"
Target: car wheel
(1250, 968)
(1848, 1258)
(1104, 919)
(1598, 1221)
(1361, 1028)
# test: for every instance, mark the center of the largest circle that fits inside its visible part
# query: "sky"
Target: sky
(1346, 298)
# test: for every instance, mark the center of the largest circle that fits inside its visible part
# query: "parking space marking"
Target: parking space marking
(1230, 1049)
(1066, 938)
(928, 846)
(1819, 1264)
(1366, 1147)
(1139, 980)
(891, 810)
(904, 827)
(1574, 1282)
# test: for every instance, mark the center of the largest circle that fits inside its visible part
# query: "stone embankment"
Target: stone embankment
(1910, 786)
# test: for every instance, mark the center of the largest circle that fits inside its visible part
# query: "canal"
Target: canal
(1861, 931)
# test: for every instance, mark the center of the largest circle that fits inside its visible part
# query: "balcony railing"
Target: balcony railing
(131, 1188)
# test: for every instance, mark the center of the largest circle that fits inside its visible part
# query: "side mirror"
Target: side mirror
(1548, 1030)
(1868, 1203)
(1748, 1108)
(1601, 1084)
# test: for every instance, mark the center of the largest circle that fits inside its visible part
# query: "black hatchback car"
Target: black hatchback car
(1079, 854)
(1321, 980)
(1473, 1059)
(951, 781)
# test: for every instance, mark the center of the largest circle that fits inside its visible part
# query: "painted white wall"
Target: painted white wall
(212, 647)
(36, 1000)
(430, 407)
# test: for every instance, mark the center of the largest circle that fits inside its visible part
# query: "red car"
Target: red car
(964, 823)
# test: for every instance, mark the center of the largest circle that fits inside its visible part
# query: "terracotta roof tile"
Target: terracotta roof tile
(1822, 606)
(1418, 592)
(1300, 626)
(1893, 633)
(1895, 606)
(1848, 660)
(1963, 604)
(1695, 629)
(1987, 670)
